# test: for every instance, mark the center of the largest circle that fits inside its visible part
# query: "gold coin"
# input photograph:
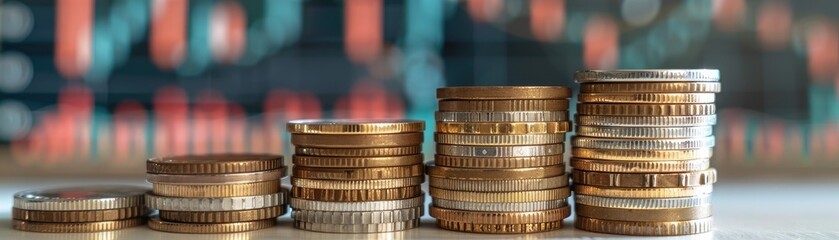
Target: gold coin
(78, 216)
(498, 162)
(504, 92)
(224, 217)
(504, 128)
(358, 152)
(648, 75)
(501, 185)
(216, 191)
(645, 109)
(356, 162)
(224, 178)
(640, 166)
(156, 223)
(645, 180)
(642, 155)
(499, 139)
(358, 173)
(214, 163)
(502, 105)
(652, 87)
(332, 195)
(492, 197)
(357, 184)
(494, 173)
(550, 215)
(670, 228)
(347, 126)
(47, 227)
(499, 228)
(357, 141)
(644, 215)
(643, 192)
(646, 98)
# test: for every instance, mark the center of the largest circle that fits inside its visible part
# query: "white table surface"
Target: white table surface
(743, 209)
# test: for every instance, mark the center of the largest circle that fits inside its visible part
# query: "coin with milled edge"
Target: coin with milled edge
(215, 191)
(502, 162)
(499, 139)
(645, 180)
(494, 173)
(357, 184)
(502, 105)
(48, 227)
(643, 215)
(500, 206)
(358, 152)
(652, 87)
(500, 151)
(518, 116)
(645, 121)
(298, 203)
(669, 228)
(503, 92)
(357, 228)
(643, 144)
(644, 132)
(612, 109)
(642, 192)
(643, 203)
(224, 217)
(499, 228)
(642, 155)
(648, 75)
(213, 163)
(357, 162)
(371, 217)
(550, 215)
(358, 173)
(348, 126)
(646, 98)
(521, 196)
(80, 198)
(640, 166)
(504, 128)
(334, 195)
(499, 185)
(212, 179)
(78, 216)
(357, 141)
(178, 227)
(215, 204)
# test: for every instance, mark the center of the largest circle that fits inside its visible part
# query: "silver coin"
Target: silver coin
(645, 121)
(648, 75)
(298, 203)
(643, 203)
(519, 116)
(643, 144)
(500, 206)
(511, 185)
(372, 217)
(215, 179)
(215, 204)
(644, 132)
(499, 151)
(357, 228)
(499, 139)
(81, 198)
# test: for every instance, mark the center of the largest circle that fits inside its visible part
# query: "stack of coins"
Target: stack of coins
(357, 176)
(79, 209)
(216, 193)
(499, 165)
(641, 154)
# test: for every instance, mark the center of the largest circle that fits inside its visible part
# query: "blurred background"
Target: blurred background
(94, 87)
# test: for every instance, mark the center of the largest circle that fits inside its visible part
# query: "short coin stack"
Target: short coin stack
(499, 165)
(216, 193)
(79, 209)
(357, 176)
(641, 154)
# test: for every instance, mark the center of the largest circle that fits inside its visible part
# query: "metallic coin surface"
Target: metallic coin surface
(521, 196)
(500, 151)
(216, 191)
(215, 204)
(47, 227)
(224, 217)
(499, 139)
(213, 179)
(348, 126)
(646, 98)
(518, 116)
(502, 162)
(642, 192)
(499, 185)
(550, 215)
(357, 228)
(610, 109)
(500, 206)
(358, 152)
(643, 215)
(642, 155)
(332, 195)
(645, 121)
(494, 173)
(670, 228)
(645, 180)
(643, 144)
(298, 203)
(358, 173)
(499, 228)
(357, 184)
(357, 141)
(213, 163)
(643, 203)
(80, 198)
(503, 92)
(78, 216)
(357, 162)
(502, 105)
(156, 223)
(640, 166)
(652, 87)
(504, 128)
(370, 217)
(644, 132)
(648, 75)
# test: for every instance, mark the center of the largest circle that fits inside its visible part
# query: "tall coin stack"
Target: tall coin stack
(499, 165)
(357, 176)
(79, 209)
(216, 193)
(642, 149)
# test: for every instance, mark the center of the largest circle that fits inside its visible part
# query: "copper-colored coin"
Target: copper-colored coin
(357, 162)
(614, 192)
(223, 178)
(645, 180)
(540, 128)
(652, 87)
(332, 195)
(357, 141)
(502, 105)
(213, 163)
(644, 215)
(499, 139)
(550, 215)
(499, 185)
(493, 197)
(640, 166)
(670, 228)
(75, 227)
(78, 216)
(494, 173)
(646, 98)
(357, 184)
(358, 173)
(645, 109)
(504, 92)
(224, 217)
(216, 191)
(347, 126)
(499, 228)
(499, 162)
(642, 155)
(358, 152)
(203, 228)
